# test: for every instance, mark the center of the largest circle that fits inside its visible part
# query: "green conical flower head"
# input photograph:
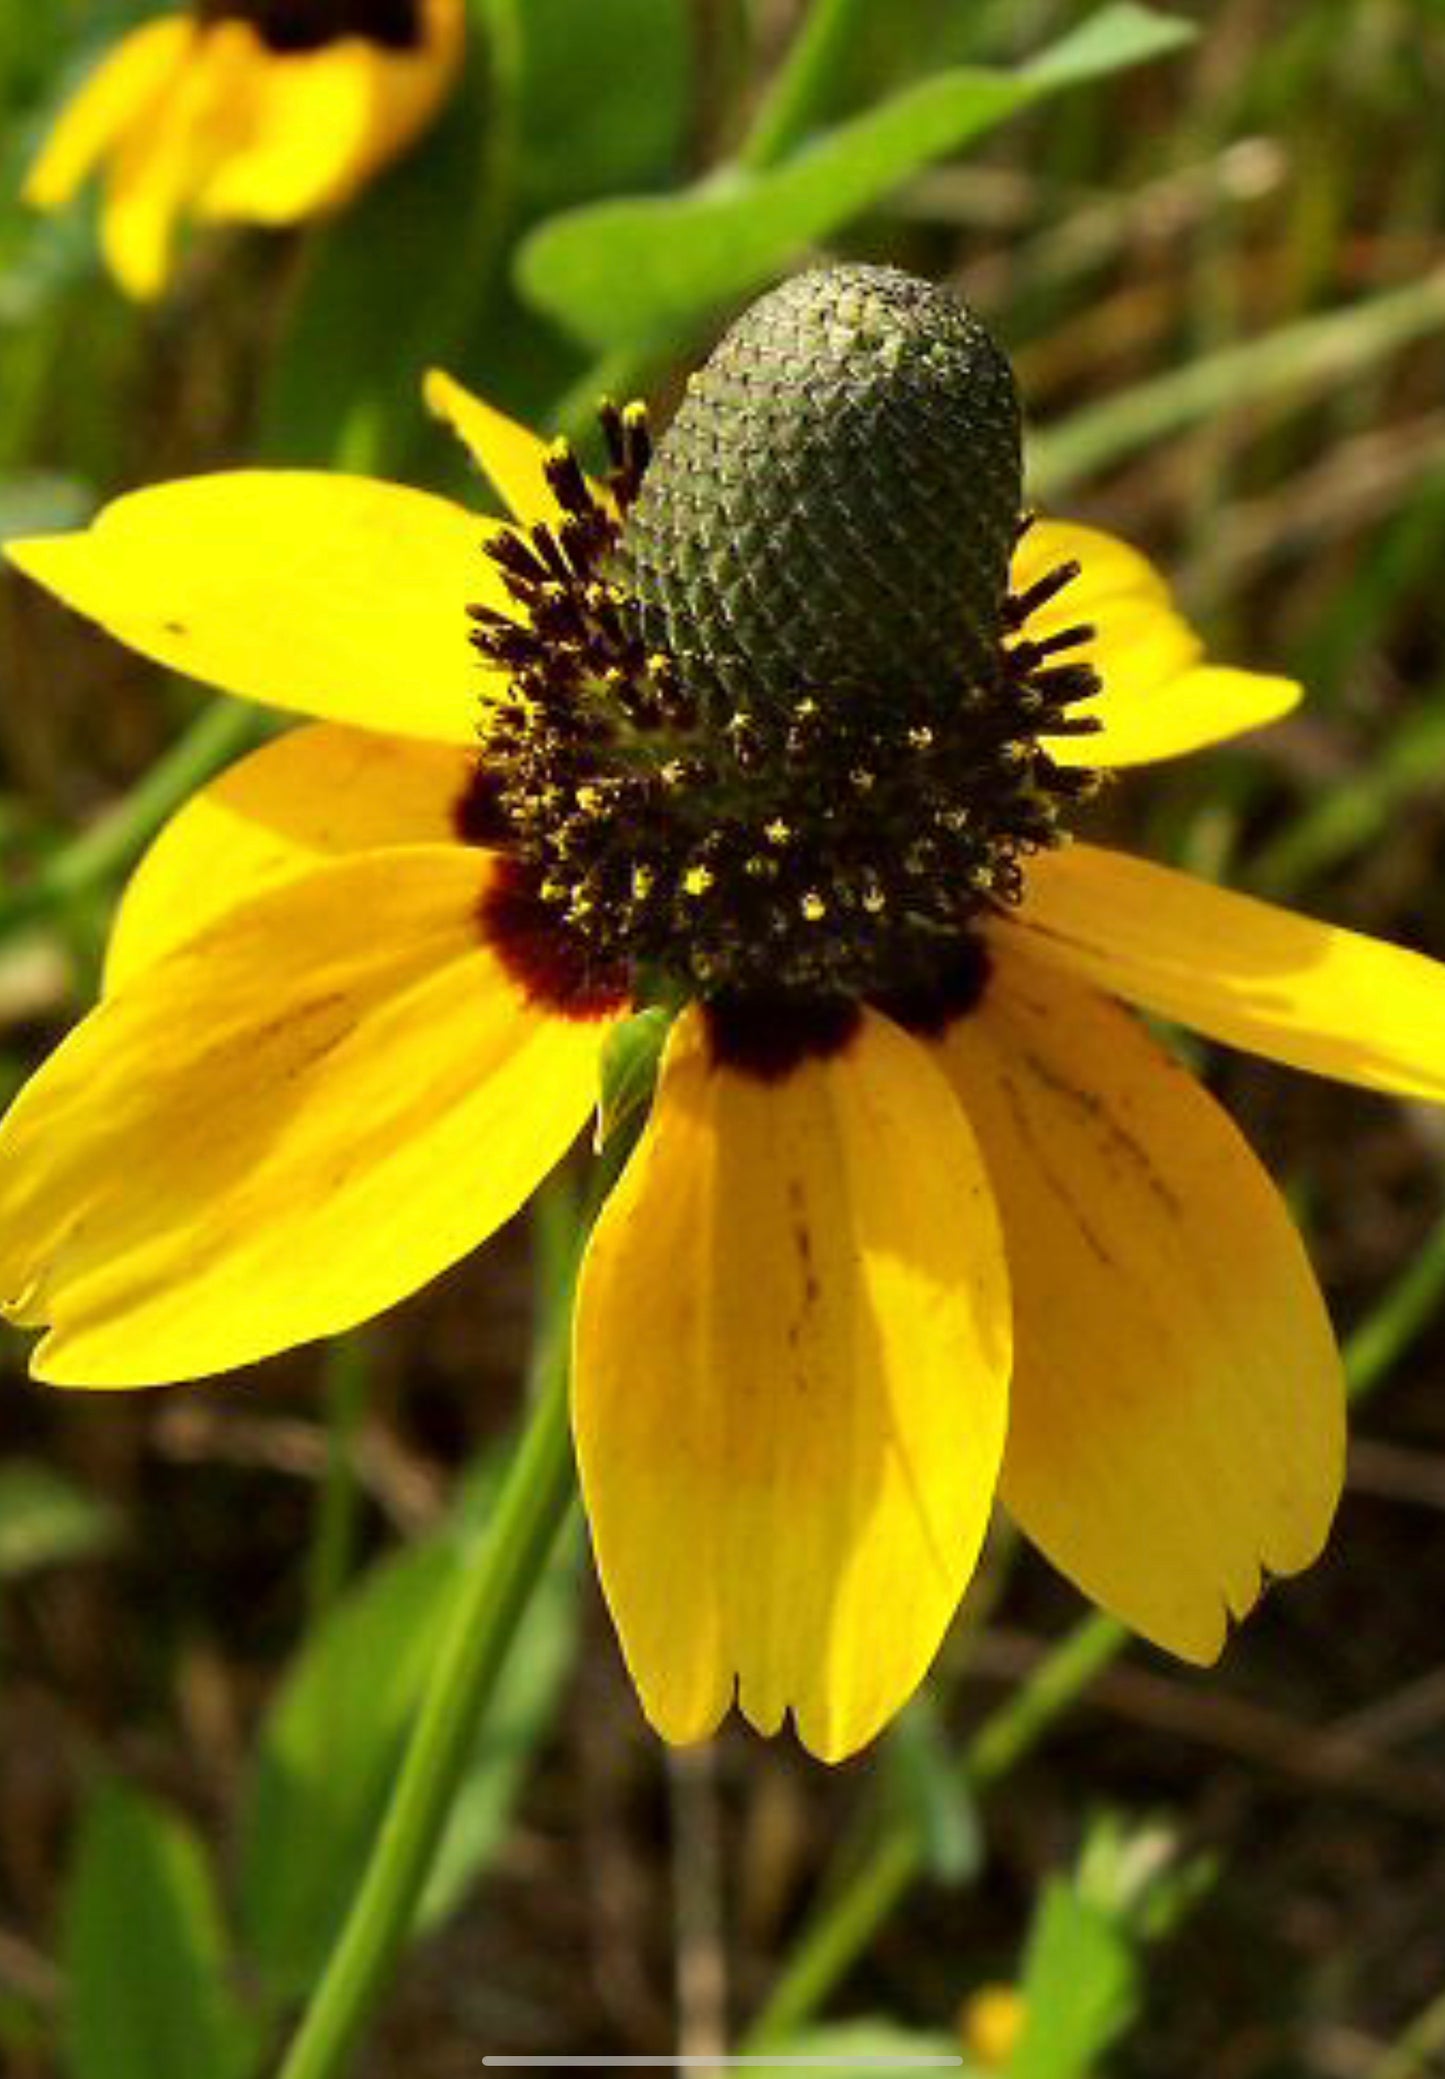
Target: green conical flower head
(835, 501)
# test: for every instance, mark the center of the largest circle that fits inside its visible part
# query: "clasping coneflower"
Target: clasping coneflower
(247, 111)
(781, 727)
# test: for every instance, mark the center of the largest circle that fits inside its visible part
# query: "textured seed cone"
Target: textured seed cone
(835, 502)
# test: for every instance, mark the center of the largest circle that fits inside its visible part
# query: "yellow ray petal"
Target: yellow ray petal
(1177, 1427)
(1159, 698)
(162, 160)
(319, 793)
(116, 96)
(1242, 971)
(509, 457)
(318, 124)
(302, 1116)
(331, 595)
(791, 1373)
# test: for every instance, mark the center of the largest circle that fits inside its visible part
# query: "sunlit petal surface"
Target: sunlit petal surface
(1264, 979)
(331, 595)
(302, 1116)
(1177, 1426)
(318, 793)
(791, 1374)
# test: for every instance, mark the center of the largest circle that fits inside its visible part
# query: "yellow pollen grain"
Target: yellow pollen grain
(644, 880)
(921, 738)
(588, 799)
(813, 907)
(697, 880)
(778, 832)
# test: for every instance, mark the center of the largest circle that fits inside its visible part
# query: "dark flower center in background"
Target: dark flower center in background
(308, 25)
(774, 730)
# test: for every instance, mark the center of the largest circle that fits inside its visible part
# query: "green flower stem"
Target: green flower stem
(803, 81)
(531, 1509)
(1387, 1332)
(218, 734)
(840, 1931)
(530, 1512)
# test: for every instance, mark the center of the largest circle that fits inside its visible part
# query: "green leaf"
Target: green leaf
(633, 271)
(145, 1954)
(332, 1742)
(45, 1521)
(630, 1056)
(578, 138)
(924, 1775)
(1083, 1978)
(1081, 1988)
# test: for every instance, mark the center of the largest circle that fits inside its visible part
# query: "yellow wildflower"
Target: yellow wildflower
(250, 111)
(922, 1214)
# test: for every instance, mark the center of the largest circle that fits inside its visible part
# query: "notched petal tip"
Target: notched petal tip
(792, 1356)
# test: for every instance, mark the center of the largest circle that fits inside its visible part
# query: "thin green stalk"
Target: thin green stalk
(218, 734)
(1289, 362)
(802, 82)
(1387, 1332)
(494, 1592)
(841, 1931)
(338, 1508)
(529, 1514)
(843, 1926)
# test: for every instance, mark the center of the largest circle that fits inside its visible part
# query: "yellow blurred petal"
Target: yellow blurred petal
(332, 595)
(791, 1375)
(1159, 699)
(116, 95)
(318, 124)
(303, 1115)
(508, 455)
(1177, 1427)
(319, 793)
(161, 162)
(1242, 971)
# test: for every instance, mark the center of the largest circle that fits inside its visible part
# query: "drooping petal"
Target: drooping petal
(1159, 699)
(510, 457)
(1244, 972)
(1177, 1425)
(116, 95)
(331, 595)
(303, 1115)
(317, 125)
(791, 1374)
(319, 793)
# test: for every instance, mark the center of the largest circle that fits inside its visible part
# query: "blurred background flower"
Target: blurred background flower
(245, 111)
